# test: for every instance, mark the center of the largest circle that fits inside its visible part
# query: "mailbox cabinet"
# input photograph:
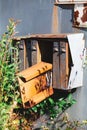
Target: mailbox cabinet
(64, 54)
(35, 83)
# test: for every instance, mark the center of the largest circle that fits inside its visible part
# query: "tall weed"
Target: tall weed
(8, 68)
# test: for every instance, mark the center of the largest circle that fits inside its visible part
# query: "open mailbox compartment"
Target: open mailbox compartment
(59, 66)
(35, 84)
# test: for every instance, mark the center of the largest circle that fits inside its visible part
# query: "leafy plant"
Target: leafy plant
(54, 107)
(8, 68)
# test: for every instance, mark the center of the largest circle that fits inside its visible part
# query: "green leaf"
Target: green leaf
(69, 97)
(73, 101)
(34, 109)
(51, 101)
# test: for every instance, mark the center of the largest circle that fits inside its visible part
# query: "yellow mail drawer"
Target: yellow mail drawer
(35, 84)
(35, 70)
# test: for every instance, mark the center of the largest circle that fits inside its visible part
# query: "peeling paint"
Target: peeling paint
(80, 15)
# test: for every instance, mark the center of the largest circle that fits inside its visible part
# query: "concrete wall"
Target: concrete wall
(40, 16)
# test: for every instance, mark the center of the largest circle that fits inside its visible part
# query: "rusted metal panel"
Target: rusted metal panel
(80, 15)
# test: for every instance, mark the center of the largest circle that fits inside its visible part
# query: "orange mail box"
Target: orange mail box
(35, 83)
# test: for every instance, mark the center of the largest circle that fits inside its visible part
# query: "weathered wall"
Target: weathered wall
(79, 110)
(65, 18)
(35, 15)
(38, 17)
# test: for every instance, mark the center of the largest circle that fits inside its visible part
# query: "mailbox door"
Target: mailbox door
(76, 44)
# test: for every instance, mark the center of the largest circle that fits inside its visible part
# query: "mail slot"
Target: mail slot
(35, 83)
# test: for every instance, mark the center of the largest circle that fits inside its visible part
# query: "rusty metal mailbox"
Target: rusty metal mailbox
(35, 83)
